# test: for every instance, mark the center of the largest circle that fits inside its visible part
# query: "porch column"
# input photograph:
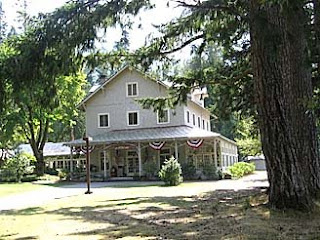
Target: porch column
(215, 152)
(176, 150)
(105, 164)
(71, 159)
(64, 163)
(139, 157)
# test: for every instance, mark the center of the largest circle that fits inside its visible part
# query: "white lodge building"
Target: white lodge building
(125, 136)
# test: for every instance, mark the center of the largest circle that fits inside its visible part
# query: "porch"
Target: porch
(131, 153)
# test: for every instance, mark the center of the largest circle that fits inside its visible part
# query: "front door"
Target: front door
(132, 163)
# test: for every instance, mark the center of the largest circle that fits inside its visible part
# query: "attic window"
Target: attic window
(132, 89)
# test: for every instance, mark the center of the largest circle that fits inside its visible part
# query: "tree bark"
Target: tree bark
(283, 87)
(37, 144)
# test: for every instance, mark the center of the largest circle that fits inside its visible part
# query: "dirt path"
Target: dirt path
(117, 190)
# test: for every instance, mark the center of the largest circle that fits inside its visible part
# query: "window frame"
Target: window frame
(138, 119)
(188, 116)
(127, 89)
(99, 123)
(158, 118)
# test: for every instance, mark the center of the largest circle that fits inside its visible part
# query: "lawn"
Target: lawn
(16, 188)
(155, 212)
(7, 189)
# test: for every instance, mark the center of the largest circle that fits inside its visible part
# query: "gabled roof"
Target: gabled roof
(50, 149)
(149, 135)
(114, 77)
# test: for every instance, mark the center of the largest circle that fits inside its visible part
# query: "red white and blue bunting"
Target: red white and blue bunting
(84, 149)
(194, 143)
(156, 145)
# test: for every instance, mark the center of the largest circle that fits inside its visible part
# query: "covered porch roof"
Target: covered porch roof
(148, 135)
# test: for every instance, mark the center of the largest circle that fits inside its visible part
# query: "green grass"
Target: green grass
(16, 188)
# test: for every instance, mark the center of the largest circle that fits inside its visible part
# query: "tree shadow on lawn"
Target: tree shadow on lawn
(222, 214)
(23, 212)
(122, 184)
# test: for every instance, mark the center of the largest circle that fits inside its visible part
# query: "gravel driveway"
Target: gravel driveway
(115, 189)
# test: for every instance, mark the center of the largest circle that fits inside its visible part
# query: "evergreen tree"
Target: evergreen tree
(266, 63)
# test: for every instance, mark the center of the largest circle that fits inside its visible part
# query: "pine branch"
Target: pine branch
(186, 43)
(208, 6)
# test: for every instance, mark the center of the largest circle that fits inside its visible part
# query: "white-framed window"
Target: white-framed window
(103, 120)
(133, 118)
(208, 125)
(194, 119)
(199, 122)
(188, 117)
(203, 125)
(132, 89)
(164, 117)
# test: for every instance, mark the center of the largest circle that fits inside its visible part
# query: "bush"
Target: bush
(240, 169)
(171, 172)
(51, 171)
(188, 170)
(29, 178)
(150, 168)
(16, 167)
(64, 174)
(210, 172)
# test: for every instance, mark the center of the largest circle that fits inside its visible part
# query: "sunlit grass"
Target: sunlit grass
(16, 188)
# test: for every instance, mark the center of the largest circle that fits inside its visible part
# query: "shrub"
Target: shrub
(171, 172)
(210, 172)
(64, 174)
(51, 171)
(16, 167)
(150, 168)
(188, 170)
(29, 178)
(240, 169)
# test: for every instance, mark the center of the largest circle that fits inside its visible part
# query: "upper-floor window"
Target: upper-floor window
(133, 118)
(163, 116)
(203, 126)
(194, 119)
(208, 125)
(199, 122)
(103, 120)
(188, 117)
(132, 89)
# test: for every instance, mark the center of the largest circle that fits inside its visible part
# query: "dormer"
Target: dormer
(198, 95)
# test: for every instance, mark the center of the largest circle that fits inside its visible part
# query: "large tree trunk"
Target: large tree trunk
(40, 165)
(283, 87)
(37, 144)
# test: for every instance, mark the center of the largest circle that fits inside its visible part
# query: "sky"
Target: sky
(158, 15)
